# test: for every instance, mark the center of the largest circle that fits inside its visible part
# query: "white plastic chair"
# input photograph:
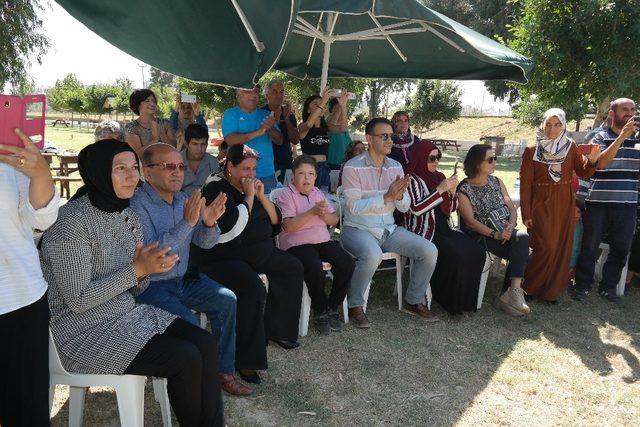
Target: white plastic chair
(600, 264)
(399, 266)
(129, 392)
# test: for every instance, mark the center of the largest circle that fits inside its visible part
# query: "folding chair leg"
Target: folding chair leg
(366, 297)
(399, 268)
(305, 311)
(162, 397)
(622, 283)
(345, 310)
(76, 405)
(131, 405)
(483, 280)
(203, 320)
(52, 393)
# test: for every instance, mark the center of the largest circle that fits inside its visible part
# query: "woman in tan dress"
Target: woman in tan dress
(547, 204)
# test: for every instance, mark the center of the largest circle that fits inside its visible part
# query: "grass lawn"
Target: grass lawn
(566, 364)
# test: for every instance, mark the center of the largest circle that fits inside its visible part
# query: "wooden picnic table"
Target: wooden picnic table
(444, 143)
(67, 164)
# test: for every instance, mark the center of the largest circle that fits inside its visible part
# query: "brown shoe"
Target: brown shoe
(231, 385)
(358, 318)
(421, 310)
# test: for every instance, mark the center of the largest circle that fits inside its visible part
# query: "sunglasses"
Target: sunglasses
(433, 159)
(383, 136)
(168, 166)
(492, 159)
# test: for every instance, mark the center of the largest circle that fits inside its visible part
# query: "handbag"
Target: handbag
(498, 217)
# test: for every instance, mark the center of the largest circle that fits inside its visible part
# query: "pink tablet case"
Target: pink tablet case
(13, 114)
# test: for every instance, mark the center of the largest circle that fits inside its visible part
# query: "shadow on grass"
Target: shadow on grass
(406, 372)
(565, 362)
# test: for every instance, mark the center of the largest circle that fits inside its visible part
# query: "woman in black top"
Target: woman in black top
(245, 249)
(314, 131)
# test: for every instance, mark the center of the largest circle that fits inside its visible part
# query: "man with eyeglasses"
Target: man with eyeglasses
(175, 220)
(374, 186)
(249, 125)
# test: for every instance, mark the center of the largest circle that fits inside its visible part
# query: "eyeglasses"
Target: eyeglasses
(383, 136)
(433, 159)
(168, 166)
(492, 159)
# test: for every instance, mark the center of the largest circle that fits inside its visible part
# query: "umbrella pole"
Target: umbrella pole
(331, 23)
(325, 65)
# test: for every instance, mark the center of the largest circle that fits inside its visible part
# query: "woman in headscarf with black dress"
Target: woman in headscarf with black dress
(94, 262)
(432, 202)
(246, 248)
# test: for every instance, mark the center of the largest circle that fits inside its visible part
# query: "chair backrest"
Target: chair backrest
(275, 193)
(55, 365)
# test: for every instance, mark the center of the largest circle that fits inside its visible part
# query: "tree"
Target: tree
(21, 38)
(380, 89)
(95, 95)
(25, 87)
(435, 100)
(492, 18)
(585, 52)
(220, 98)
(122, 89)
(160, 79)
(67, 95)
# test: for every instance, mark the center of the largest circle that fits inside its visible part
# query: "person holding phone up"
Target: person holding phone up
(28, 200)
(610, 204)
(432, 202)
(548, 204)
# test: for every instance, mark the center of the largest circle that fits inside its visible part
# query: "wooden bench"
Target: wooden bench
(64, 184)
(444, 143)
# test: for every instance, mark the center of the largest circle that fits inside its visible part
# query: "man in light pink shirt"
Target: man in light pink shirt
(306, 214)
(374, 186)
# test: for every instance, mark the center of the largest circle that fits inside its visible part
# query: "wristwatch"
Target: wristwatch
(493, 234)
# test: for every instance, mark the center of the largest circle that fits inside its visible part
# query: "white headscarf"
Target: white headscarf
(552, 152)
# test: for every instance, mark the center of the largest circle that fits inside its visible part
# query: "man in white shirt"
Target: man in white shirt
(28, 200)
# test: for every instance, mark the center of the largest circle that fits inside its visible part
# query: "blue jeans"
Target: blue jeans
(198, 292)
(368, 251)
(619, 222)
(270, 182)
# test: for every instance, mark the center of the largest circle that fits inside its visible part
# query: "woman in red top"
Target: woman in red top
(454, 288)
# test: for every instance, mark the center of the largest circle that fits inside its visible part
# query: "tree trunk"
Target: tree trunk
(373, 101)
(601, 112)
(578, 125)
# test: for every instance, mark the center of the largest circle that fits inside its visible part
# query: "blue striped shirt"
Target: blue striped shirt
(618, 182)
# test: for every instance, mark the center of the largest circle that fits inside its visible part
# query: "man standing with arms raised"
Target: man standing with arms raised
(610, 204)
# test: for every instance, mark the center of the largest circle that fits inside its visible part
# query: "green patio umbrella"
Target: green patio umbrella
(395, 39)
(228, 42)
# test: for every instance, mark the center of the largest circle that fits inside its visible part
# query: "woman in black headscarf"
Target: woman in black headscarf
(94, 262)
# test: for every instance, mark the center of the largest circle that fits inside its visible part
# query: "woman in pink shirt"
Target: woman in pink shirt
(306, 214)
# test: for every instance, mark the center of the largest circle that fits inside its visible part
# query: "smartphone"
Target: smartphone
(189, 99)
(25, 113)
(336, 94)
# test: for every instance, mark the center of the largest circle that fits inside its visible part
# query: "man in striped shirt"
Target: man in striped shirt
(610, 204)
(374, 186)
